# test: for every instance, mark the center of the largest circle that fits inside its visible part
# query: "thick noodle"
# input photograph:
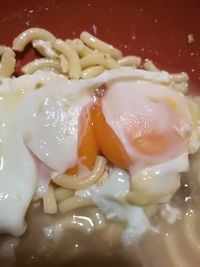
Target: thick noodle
(81, 181)
(21, 41)
(49, 201)
(73, 59)
(74, 203)
(8, 61)
(42, 63)
(99, 45)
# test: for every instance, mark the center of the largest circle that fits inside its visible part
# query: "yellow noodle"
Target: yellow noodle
(73, 59)
(80, 48)
(78, 222)
(180, 87)
(142, 197)
(42, 63)
(97, 218)
(99, 45)
(149, 65)
(103, 177)
(73, 203)
(180, 77)
(62, 193)
(64, 64)
(45, 48)
(87, 224)
(139, 198)
(110, 62)
(81, 181)
(76, 43)
(93, 59)
(129, 61)
(8, 61)
(29, 35)
(91, 72)
(150, 210)
(142, 193)
(49, 201)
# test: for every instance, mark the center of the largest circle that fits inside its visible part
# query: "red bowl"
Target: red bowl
(157, 30)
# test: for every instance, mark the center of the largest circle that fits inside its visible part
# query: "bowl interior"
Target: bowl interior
(157, 30)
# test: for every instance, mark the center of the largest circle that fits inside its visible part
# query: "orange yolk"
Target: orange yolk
(145, 141)
(108, 142)
(152, 143)
(87, 144)
(142, 131)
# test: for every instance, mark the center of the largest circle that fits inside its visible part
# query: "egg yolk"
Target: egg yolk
(142, 135)
(128, 127)
(108, 141)
(87, 144)
(151, 142)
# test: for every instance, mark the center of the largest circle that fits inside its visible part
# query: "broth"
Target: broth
(175, 244)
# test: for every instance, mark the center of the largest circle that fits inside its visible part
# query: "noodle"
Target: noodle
(87, 224)
(82, 181)
(74, 203)
(180, 87)
(130, 61)
(99, 45)
(68, 51)
(110, 62)
(150, 210)
(45, 48)
(149, 65)
(64, 64)
(29, 35)
(179, 82)
(180, 77)
(91, 72)
(42, 63)
(93, 59)
(8, 61)
(97, 219)
(49, 201)
(80, 48)
(62, 193)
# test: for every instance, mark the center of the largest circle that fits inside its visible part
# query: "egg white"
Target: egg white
(42, 125)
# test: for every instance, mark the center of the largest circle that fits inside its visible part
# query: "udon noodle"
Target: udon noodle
(82, 59)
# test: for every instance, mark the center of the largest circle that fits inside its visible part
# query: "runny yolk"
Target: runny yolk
(153, 143)
(144, 137)
(108, 141)
(87, 144)
(144, 140)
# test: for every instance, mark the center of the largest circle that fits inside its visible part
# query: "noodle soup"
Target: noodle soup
(102, 148)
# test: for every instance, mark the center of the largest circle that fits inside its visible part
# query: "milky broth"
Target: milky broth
(174, 244)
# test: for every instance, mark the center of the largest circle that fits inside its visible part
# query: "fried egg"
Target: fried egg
(110, 199)
(50, 124)
(139, 121)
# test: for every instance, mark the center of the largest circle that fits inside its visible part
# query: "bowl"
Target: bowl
(159, 31)
(166, 32)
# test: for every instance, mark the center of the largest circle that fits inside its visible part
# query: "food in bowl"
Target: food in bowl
(101, 142)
